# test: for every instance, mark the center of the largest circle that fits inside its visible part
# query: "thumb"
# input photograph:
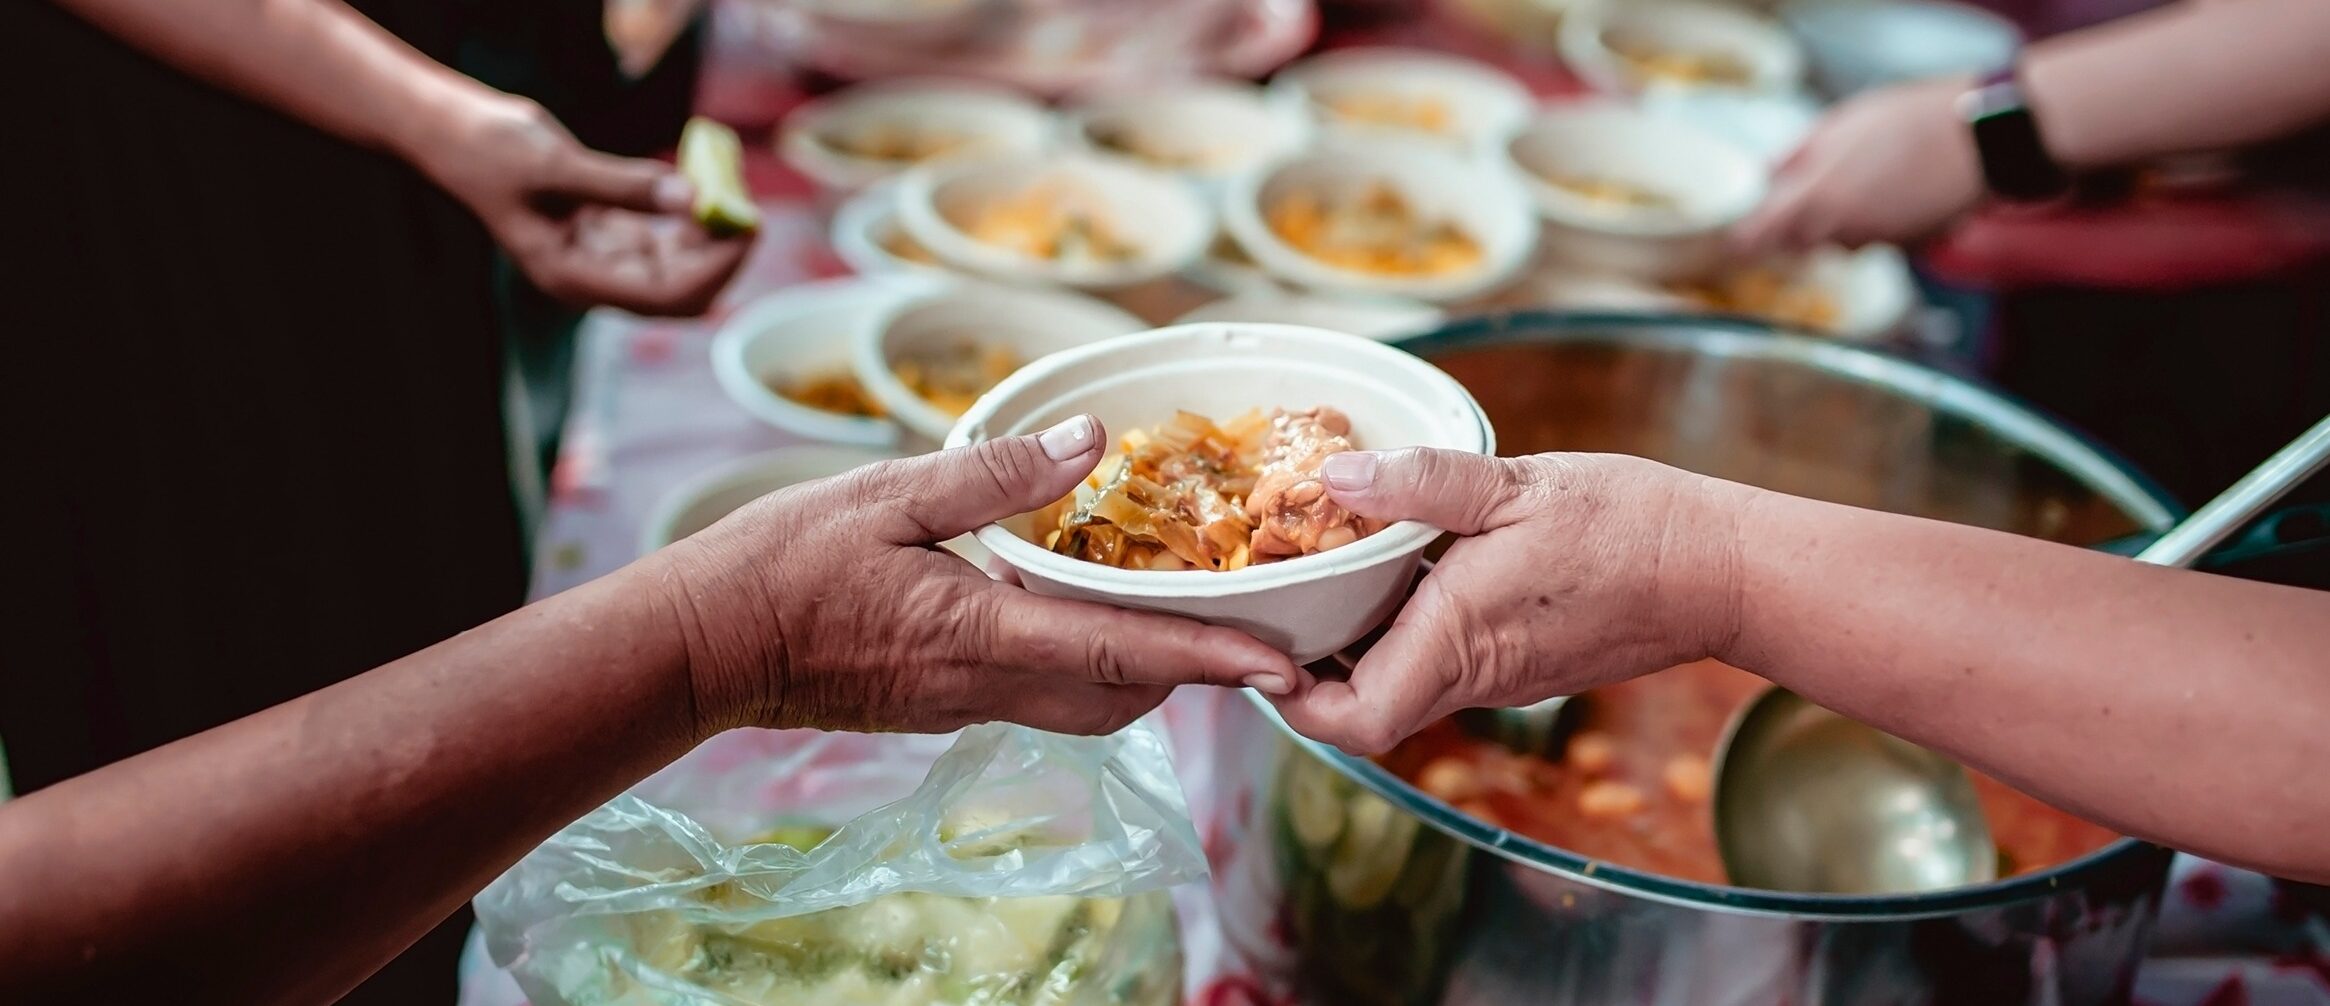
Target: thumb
(630, 183)
(955, 492)
(1450, 490)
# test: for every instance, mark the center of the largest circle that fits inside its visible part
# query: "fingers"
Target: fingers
(1397, 688)
(652, 266)
(1783, 223)
(1450, 490)
(938, 496)
(587, 176)
(1080, 641)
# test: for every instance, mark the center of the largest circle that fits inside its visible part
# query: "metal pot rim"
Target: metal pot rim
(2076, 455)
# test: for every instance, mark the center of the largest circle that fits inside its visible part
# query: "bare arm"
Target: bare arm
(284, 857)
(577, 221)
(2179, 707)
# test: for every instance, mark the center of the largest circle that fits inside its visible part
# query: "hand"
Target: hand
(1577, 570)
(825, 605)
(586, 227)
(1895, 164)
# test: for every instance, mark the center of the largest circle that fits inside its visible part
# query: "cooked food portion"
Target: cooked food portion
(1612, 194)
(1049, 223)
(1634, 784)
(1706, 69)
(1131, 142)
(1422, 114)
(953, 378)
(1195, 495)
(1769, 294)
(898, 142)
(1373, 230)
(837, 392)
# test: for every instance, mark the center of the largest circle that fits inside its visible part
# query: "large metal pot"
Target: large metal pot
(1395, 898)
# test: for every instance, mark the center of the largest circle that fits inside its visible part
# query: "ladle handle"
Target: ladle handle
(2238, 505)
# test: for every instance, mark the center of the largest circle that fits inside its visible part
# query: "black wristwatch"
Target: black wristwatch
(2015, 162)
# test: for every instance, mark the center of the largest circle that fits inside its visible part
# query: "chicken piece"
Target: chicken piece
(1289, 505)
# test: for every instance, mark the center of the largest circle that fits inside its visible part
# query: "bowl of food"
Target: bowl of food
(1407, 93)
(1076, 220)
(1632, 193)
(928, 357)
(861, 135)
(1379, 318)
(1210, 503)
(785, 358)
(1642, 45)
(1204, 129)
(1862, 295)
(867, 237)
(1383, 218)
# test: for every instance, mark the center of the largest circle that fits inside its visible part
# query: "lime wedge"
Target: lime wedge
(713, 161)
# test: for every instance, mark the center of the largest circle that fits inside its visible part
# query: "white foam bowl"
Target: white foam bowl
(1774, 59)
(1713, 182)
(806, 331)
(1381, 319)
(1030, 323)
(1481, 197)
(1309, 606)
(862, 231)
(702, 501)
(1856, 45)
(1163, 217)
(995, 120)
(1484, 104)
(1229, 124)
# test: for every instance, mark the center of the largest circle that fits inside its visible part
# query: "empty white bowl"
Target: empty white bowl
(989, 120)
(1162, 218)
(1203, 129)
(1310, 606)
(1480, 103)
(802, 332)
(1856, 45)
(702, 501)
(1378, 318)
(1029, 323)
(1772, 59)
(1480, 197)
(867, 237)
(1712, 184)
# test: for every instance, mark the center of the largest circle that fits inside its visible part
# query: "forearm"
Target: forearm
(335, 829)
(316, 60)
(2176, 706)
(2180, 79)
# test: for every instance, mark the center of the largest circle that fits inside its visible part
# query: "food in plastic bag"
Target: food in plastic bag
(796, 867)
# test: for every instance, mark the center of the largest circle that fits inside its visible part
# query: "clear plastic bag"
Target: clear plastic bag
(999, 866)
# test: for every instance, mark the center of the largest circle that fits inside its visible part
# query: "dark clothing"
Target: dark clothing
(254, 381)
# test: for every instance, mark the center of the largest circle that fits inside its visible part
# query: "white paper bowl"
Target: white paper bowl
(1310, 606)
(1774, 60)
(1031, 323)
(1484, 104)
(862, 231)
(1162, 216)
(1855, 45)
(1481, 197)
(1230, 123)
(1381, 319)
(997, 121)
(1714, 183)
(804, 331)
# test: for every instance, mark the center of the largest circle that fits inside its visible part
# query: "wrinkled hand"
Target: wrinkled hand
(588, 228)
(1895, 164)
(1577, 570)
(826, 605)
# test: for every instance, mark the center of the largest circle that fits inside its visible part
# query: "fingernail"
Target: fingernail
(1267, 684)
(1350, 471)
(674, 194)
(1067, 440)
